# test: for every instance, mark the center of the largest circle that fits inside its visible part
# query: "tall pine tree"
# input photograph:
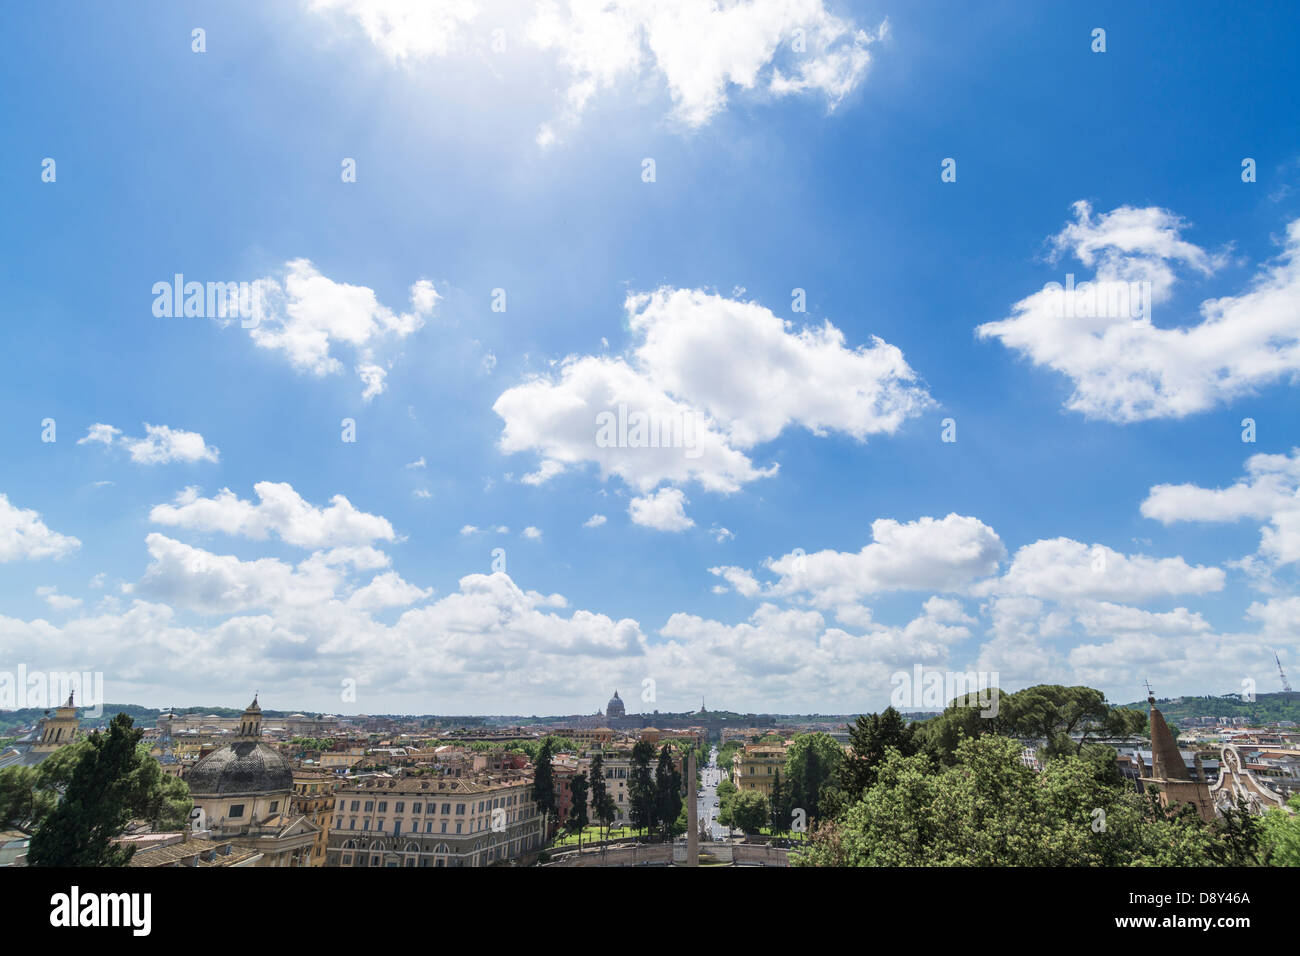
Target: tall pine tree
(103, 795)
(780, 807)
(668, 793)
(870, 736)
(602, 804)
(544, 784)
(578, 812)
(641, 787)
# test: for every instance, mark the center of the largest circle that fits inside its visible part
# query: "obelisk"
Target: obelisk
(692, 813)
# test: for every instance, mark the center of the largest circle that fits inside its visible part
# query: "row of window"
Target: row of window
(400, 805)
(442, 855)
(476, 824)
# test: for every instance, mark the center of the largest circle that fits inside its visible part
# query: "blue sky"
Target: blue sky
(1086, 526)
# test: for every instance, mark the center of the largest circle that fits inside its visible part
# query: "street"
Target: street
(710, 777)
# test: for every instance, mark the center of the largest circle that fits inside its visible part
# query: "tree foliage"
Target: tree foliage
(544, 779)
(869, 737)
(812, 767)
(578, 819)
(749, 811)
(668, 793)
(1281, 836)
(779, 807)
(641, 787)
(989, 809)
(110, 779)
(1065, 718)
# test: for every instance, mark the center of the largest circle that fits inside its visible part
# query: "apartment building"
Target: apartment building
(313, 797)
(434, 821)
(341, 759)
(587, 738)
(755, 767)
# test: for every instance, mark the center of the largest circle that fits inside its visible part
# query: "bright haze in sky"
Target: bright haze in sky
(335, 332)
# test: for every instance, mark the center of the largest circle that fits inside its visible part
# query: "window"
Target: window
(383, 806)
(370, 805)
(446, 808)
(415, 808)
(400, 808)
(236, 810)
(275, 805)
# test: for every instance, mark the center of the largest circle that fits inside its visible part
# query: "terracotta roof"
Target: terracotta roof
(192, 852)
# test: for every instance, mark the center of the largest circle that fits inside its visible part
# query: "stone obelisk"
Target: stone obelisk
(692, 814)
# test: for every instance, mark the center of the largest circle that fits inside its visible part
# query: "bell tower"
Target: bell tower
(250, 725)
(60, 729)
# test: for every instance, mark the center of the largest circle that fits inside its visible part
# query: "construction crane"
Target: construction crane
(1286, 685)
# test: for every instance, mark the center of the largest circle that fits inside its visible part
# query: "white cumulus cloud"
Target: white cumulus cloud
(161, 445)
(673, 412)
(1270, 493)
(308, 318)
(279, 511)
(24, 536)
(701, 50)
(1126, 368)
(929, 554)
(664, 510)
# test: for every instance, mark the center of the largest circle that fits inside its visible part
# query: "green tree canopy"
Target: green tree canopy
(749, 811)
(1050, 712)
(668, 793)
(112, 781)
(544, 779)
(641, 787)
(869, 737)
(1282, 835)
(989, 809)
(812, 766)
(578, 812)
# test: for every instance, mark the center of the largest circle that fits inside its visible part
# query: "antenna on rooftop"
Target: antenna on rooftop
(1286, 685)
(1150, 693)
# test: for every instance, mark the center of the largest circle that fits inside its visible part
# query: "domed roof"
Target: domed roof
(243, 767)
(615, 707)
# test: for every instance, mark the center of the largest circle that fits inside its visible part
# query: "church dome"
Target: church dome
(239, 768)
(615, 707)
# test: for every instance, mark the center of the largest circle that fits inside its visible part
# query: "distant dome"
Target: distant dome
(239, 768)
(615, 707)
